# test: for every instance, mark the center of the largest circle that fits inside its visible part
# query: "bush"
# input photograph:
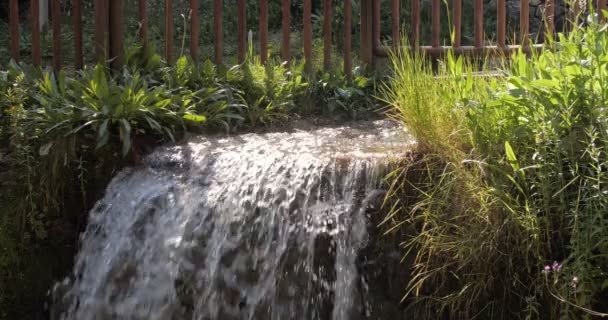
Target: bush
(511, 212)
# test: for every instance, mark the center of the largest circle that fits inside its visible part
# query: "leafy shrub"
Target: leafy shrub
(514, 180)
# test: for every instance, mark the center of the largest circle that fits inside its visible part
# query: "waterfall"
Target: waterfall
(256, 226)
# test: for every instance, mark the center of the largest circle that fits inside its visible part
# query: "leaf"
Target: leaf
(511, 156)
(45, 149)
(125, 135)
(195, 118)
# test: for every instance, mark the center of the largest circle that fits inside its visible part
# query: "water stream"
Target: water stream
(256, 226)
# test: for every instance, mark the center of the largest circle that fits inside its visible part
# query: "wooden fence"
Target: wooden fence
(109, 29)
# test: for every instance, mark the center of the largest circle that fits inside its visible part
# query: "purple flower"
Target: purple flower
(557, 267)
(547, 269)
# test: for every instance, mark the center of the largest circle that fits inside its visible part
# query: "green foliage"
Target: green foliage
(514, 180)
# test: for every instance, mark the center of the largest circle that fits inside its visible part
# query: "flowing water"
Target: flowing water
(256, 226)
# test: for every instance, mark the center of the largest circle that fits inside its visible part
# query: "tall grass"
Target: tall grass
(511, 212)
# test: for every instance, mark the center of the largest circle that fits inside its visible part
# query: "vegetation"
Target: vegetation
(508, 200)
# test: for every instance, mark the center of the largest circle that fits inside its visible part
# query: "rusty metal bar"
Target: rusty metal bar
(117, 22)
(56, 21)
(307, 32)
(524, 16)
(169, 31)
(263, 31)
(415, 22)
(77, 24)
(395, 24)
(348, 64)
(35, 17)
(435, 22)
(194, 30)
(14, 28)
(327, 13)
(457, 23)
(101, 29)
(286, 25)
(218, 32)
(478, 11)
(242, 30)
(501, 23)
(143, 21)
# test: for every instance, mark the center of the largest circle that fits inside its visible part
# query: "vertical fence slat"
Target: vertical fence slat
(286, 25)
(101, 29)
(56, 21)
(478, 11)
(395, 22)
(415, 22)
(116, 33)
(435, 22)
(194, 30)
(242, 30)
(77, 24)
(35, 17)
(327, 20)
(376, 24)
(143, 21)
(601, 6)
(169, 31)
(524, 16)
(307, 33)
(501, 23)
(457, 23)
(14, 28)
(218, 32)
(348, 64)
(550, 16)
(263, 31)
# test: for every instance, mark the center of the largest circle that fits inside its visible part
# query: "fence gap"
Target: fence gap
(14, 28)
(327, 30)
(524, 16)
(348, 64)
(307, 34)
(194, 30)
(395, 22)
(77, 21)
(242, 30)
(218, 32)
(286, 30)
(376, 29)
(458, 23)
(35, 23)
(56, 21)
(478, 10)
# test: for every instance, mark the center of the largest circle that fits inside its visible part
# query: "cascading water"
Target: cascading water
(248, 227)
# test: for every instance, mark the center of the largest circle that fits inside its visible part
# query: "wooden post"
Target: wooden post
(395, 23)
(376, 26)
(264, 31)
(550, 16)
(14, 28)
(194, 30)
(415, 23)
(143, 21)
(478, 42)
(35, 17)
(435, 23)
(218, 32)
(169, 31)
(457, 23)
(501, 23)
(524, 26)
